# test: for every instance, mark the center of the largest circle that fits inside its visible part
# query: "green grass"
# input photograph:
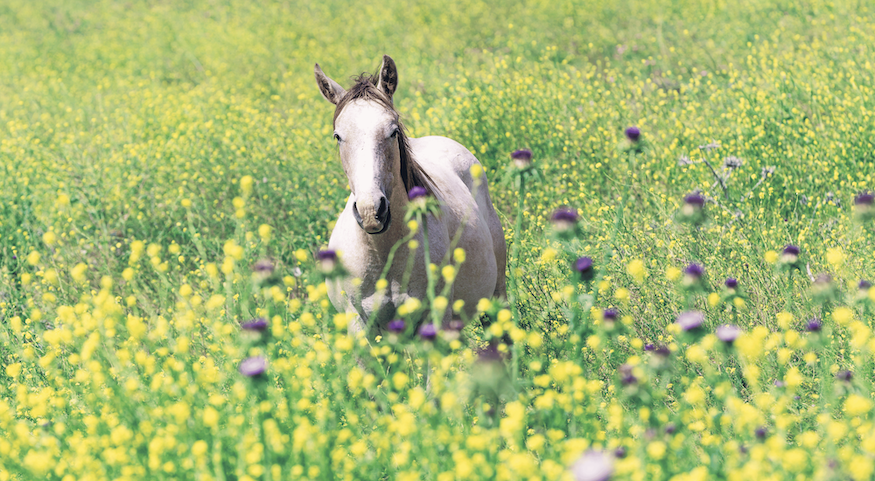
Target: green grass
(129, 230)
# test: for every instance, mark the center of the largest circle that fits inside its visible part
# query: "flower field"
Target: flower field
(690, 248)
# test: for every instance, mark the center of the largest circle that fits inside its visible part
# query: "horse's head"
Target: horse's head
(371, 142)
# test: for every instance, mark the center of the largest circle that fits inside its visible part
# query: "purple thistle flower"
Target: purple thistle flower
(761, 432)
(564, 214)
(397, 326)
(670, 428)
(813, 325)
(610, 315)
(728, 333)
(695, 271)
(583, 266)
(864, 285)
(690, 320)
(695, 200)
(627, 378)
(417, 192)
(649, 347)
(662, 351)
(326, 255)
(620, 452)
(522, 158)
(428, 332)
(844, 375)
(327, 260)
(592, 466)
(790, 254)
(633, 134)
(693, 209)
(731, 282)
(524, 154)
(864, 199)
(255, 325)
(564, 219)
(264, 266)
(253, 366)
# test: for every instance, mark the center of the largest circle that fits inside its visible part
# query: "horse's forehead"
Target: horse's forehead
(364, 115)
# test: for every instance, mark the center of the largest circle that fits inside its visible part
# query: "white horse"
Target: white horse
(382, 164)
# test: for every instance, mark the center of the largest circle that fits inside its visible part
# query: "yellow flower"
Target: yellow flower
(50, 238)
(843, 315)
(636, 269)
(13, 370)
(78, 272)
(656, 450)
(33, 258)
(399, 380)
(857, 405)
(264, 231)
(448, 272)
(713, 299)
(835, 256)
(673, 273)
(246, 184)
(771, 257)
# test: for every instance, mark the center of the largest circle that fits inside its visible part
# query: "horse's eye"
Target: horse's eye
(336, 137)
(394, 133)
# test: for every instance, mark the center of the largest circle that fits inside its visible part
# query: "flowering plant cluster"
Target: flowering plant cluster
(690, 297)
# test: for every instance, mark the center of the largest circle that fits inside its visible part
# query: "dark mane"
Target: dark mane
(365, 88)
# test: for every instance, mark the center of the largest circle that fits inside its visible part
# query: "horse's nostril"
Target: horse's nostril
(383, 209)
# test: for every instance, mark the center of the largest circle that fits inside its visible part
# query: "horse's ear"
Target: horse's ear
(331, 90)
(388, 80)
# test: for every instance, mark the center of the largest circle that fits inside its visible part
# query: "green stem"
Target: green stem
(512, 292)
(428, 274)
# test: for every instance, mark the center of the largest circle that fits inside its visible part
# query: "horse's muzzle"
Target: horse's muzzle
(383, 217)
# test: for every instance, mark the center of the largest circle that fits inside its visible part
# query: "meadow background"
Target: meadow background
(154, 152)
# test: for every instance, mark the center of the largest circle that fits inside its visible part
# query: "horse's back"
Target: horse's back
(439, 153)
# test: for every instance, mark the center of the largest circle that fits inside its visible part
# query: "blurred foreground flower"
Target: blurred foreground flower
(583, 266)
(327, 260)
(690, 320)
(417, 196)
(564, 220)
(428, 332)
(864, 206)
(397, 326)
(253, 366)
(522, 158)
(728, 333)
(789, 257)
(592, 466)
(256, 325)
(693, 210)
(693, 275)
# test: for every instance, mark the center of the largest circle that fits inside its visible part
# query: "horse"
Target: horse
(382, 165)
